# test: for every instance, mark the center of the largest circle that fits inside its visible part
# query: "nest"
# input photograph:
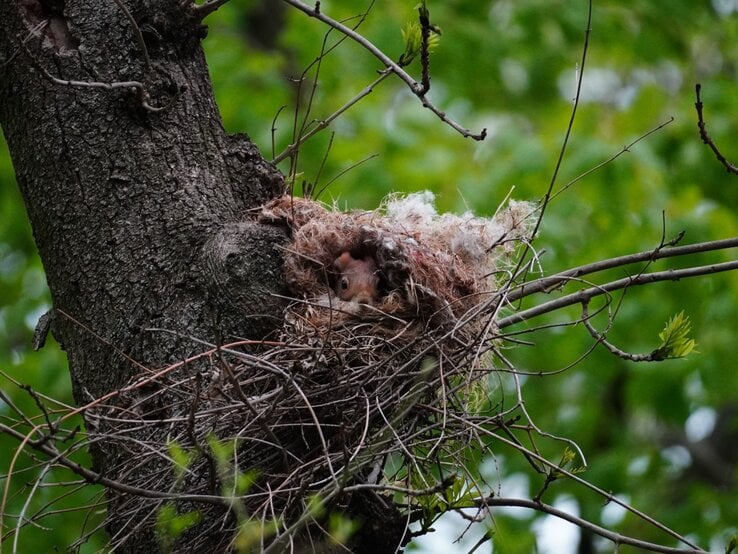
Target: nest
(347, 398)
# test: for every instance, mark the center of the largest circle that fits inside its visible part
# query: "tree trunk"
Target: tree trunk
(138, 213)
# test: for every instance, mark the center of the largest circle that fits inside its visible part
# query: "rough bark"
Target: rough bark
(137, 214)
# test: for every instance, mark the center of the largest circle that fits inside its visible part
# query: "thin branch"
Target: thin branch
(97, 478)
(600, 337)
(361, 40)
(625, 149)
(609, 496)
(136, 33)
(203, 10)
(323, 123)
(425, 31)
(570, 125)
(547, 196)
(142, 93)
(616, 538)
(390, 65)
(299, 128)
(343, 172)
(274, 129)
(546, 284)
(228, 371)
(730, 168)
(585, 295)
(34, 31)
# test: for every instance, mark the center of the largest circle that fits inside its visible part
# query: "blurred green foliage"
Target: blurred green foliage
(509, 66)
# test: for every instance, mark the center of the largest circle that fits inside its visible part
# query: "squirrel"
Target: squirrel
(357, 278)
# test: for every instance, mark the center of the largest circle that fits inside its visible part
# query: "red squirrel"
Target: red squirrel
(357, 278)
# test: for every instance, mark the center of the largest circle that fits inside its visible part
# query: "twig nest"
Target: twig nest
(386, 343)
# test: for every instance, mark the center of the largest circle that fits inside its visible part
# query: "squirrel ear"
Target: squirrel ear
(342, 262)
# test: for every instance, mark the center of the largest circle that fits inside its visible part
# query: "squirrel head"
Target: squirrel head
(357, 278)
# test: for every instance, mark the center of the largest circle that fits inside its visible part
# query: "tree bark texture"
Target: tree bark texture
(138, 214)
(137, 198)
(138, 201)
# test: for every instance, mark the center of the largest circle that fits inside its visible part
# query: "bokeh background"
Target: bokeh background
(663, 437)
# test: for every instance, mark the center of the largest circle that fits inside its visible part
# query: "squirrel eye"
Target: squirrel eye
(344, 283)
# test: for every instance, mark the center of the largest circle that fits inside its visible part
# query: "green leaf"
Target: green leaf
(245, 480)
(170, 524)
(181, 457)
(222, 450)
(316, 506)
(341, 528)
(251, 532)
(674, 340)
(412, 37)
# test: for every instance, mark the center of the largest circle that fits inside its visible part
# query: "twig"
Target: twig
(323, 123)
(522, 259)
(298, 130)
(612, 158)
(274, 129)
(632, 281)
(569, 127)
(616, 538)
(142, 93)
(40, 26)
(729, 167)
(546, 284)
(425, 31)
(415, 87)
(136, 33)
(601, 339)
(263, 425)
(97, 478)
(343, 172)
(203, 10)
(609, 496)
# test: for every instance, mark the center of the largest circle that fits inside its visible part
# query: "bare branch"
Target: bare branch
(546, 284)
(608, 496)
(730, 168)
(625, 149)
(136, 33)
(137, 86)
(323, 123)
(390, 65)
(34, 31)
(425, 31)
(203, 10)
(93, 477)
(632, 281)
(616, 538)
(569, 127)
(601, 339)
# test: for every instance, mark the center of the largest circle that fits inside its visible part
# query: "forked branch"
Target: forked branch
(587, 294)
(546, 284)
(418, 89)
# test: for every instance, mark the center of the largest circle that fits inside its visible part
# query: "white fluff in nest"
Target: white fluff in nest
(476, 240)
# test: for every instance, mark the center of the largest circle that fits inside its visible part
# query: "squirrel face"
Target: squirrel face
(357, 278)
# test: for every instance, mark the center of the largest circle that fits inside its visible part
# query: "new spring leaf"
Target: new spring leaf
(412, 37)
(674, 340)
